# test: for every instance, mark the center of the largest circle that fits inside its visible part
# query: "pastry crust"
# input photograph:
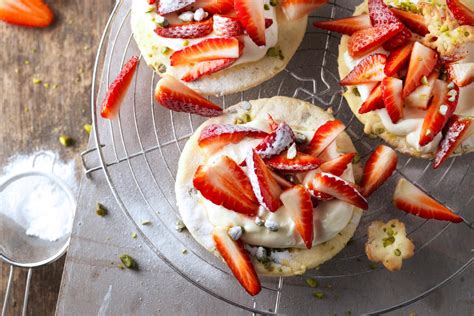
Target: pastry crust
(235, 79)
(371, 120)
(298, 114)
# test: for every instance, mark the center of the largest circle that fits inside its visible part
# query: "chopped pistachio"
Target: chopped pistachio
(150, 9)
(101, 210)
(388, 241)
(319, 295)
(88, 128)
(134, 235)
(266, 7)
(372, 266)
(390, 231)
(312, 282)
(273, 3)
(180, 226)
(184, 251)
(356, 158)
(444, 28)
(165, 50)
(146, 222)
(46, 85)
(66, 141)
(397, 252)
(185, 42)
(121, 266)
(272, 52)
(37, 81)
(55, 86)
(26, 62)
(128, 261)
(424, 80)
(356, 92)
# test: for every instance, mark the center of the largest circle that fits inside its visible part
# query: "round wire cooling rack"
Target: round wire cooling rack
(139, 152)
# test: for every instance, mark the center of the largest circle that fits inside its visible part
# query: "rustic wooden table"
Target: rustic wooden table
(32, 116)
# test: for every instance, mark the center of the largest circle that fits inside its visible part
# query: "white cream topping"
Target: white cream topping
(410, 125)
(329, 217)
(251, 52)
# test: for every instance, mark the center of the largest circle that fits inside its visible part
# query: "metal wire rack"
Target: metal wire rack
(139, 151)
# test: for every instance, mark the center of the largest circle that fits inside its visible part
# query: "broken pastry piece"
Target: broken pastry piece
(387, 243)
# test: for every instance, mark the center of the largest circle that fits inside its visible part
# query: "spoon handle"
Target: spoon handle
(27, 292)
(7, 292)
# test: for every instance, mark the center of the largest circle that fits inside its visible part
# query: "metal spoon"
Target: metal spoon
(23, 251)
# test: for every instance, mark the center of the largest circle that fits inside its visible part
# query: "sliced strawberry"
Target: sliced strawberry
(168, 6)
(441, 108)
(392, 97)
(415, 22)
(347, 25)
(330, 152)
(151, 1)
(461, 74)
(296, 9)
(422, 62)
(378, 168)
(397, 60)
(176, 96)
(300, 163)
(374, 101)
(214, 6)
(298, 203)
(264, 186)
(421, 96)
(251, 15)
(186, 30)
(308, 182)
(204, 68)
(225, 183)
(215, 136)
(455, 132)
(401, 39)
(339, 188)
(275, 143)
(461, 12)
(370, 69)
(339, 165)
(118, 89)
(208, 49)
(410, 199)
(365, 41)
(238, 260)
(324, 136)
(30, 13)
(227, 26)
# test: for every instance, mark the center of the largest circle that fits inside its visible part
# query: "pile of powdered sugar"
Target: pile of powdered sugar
(36, 203)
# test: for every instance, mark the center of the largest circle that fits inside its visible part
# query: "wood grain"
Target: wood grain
(33, 116)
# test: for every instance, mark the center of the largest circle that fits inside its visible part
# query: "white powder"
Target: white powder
(36, 203)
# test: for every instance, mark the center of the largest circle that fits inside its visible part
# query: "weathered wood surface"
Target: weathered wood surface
(32, 116)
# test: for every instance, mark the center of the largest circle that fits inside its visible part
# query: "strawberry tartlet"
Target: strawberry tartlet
(220, 47)
(408, 67)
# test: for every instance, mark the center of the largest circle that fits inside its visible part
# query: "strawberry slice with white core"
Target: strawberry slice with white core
(251, 15)
(392, 97)
(275, 143)
(225, 183)
(374, 101)
(300, 163)
(215, 136)
(186, 30)
(420, 98)
(26, 13)
(168, 6)
(370, 69)
(238, 260)
(422, 62)
(346, 26)
(176, 96)
(227, 26)
(456, 131)
(442, 106)
(208, 49)
(378, 168)
(364, 41)
(411, 199)
(397, 60)
(298, 203)
(339, 188)
(415, 22)
(330, 152)
(264, 186)
(214, 6)
(324, 136)
(118, 89)
(461, 12)
(297, 9)
(308, 184)
(461, 74)
(339, 165)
